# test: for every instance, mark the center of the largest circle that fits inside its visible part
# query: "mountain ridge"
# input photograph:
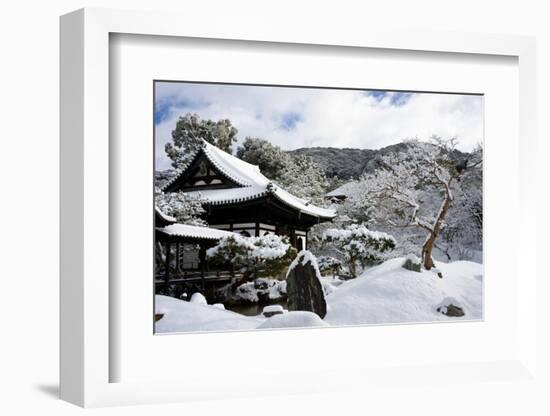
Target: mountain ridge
(345, 163)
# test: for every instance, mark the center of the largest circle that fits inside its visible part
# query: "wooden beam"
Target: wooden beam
(167, 262)
(202, 259)
(178, 256)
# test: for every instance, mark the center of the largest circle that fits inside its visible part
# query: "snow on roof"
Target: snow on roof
(303, 205)
(238, 170)
(227, 196)
(253, 184)
(165, 217)
(343, 190)
(192, 231)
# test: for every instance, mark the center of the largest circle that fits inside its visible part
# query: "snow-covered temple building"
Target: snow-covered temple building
(341, 193)
(238, 198)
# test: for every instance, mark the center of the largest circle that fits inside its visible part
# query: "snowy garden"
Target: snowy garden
(400, 243)
(384, 294)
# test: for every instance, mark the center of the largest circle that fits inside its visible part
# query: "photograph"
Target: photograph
(280, 206)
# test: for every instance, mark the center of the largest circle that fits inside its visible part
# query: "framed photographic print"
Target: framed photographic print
(327, 210)
(224, 196)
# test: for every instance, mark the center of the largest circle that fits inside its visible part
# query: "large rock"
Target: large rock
(449, 307)
(303, 285)
(451, 310)
(271, 310)
(412, 263)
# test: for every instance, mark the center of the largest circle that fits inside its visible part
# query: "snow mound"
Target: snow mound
(328, 287)
(198, 298)
(294, 319)
(182, 316)
(413, 258)
(273, 309)
(390, 294)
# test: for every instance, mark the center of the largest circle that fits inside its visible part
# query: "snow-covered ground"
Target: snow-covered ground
(182, 316)
(389, 293)
(383, 294)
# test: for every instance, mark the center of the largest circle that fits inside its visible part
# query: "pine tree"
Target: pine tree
(265, 256)
(271, 159)
(358, 245)
(190, 129)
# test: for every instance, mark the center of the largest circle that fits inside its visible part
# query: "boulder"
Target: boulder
(261, 284)
(303, 285)
(449, 306)
(412, 263)
(271, 310)
(451, 310)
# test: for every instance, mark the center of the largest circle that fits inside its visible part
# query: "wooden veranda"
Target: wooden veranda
(171, 269)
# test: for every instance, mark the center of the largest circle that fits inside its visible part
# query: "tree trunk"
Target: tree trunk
(246, 277)
(427, 252)
(353, 268)
(428, 245)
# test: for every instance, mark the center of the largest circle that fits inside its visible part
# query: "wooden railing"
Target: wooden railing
(196, 276)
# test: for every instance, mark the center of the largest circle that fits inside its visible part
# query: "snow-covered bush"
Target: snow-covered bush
(358, 245)
(185, 208)
(329, 265)
(268, 290)
(266, 256)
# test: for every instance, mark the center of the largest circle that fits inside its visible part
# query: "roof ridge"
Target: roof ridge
(181, 169)
(212, 159)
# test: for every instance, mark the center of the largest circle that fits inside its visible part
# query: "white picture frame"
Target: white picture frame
(85, 264)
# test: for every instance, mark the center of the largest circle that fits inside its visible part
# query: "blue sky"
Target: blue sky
(307, 117)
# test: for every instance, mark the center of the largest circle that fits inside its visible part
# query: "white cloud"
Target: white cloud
(327, 118)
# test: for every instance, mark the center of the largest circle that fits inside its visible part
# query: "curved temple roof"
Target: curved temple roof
(192, 231)
(167, 218)
(252, 184)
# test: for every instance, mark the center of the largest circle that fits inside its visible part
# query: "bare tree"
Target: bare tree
(398, 189)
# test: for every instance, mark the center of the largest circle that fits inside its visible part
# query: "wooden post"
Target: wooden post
(167, 271)
(183, 259)
(202, 258)
(293, 238)
(177, 257)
